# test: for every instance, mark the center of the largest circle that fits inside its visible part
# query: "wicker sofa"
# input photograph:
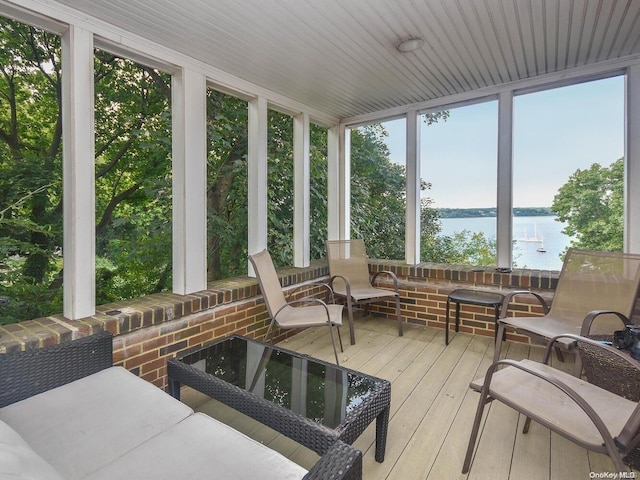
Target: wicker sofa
(67, 413)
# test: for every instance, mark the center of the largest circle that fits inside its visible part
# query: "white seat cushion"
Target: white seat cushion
(201, 447)
(84, 425)
(18, 461)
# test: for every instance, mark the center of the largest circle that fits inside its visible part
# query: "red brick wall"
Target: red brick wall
(424, 292)
(146, 351)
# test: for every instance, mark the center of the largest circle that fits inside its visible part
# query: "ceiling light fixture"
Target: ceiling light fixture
(410, 45)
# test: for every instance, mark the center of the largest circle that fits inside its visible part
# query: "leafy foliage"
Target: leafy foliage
(133, 179)
(462, 248)
(30, 171)
(591, 203)
(377, 194)
(227, 217)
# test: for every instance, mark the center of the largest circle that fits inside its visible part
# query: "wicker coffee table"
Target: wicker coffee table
(310, 401)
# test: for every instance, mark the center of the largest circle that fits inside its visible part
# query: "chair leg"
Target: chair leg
(333, 342)
(474, 431)
(498, 345)
(400, 333)
(527, 424)
(340, 339)
(352, 332)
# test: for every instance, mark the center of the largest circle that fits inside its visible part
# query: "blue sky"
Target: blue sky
(555, 133)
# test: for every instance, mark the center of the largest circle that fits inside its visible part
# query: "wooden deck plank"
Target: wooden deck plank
(434, 426)
(531, 452)
(568, 460)
(450, 457)
(411, 402)
(494, 447)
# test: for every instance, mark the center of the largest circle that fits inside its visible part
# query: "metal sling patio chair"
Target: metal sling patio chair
(592, 286)
(586, 414)
(301, 313)
(350, 279)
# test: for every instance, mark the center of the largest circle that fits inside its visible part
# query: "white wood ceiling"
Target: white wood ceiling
(340, 57)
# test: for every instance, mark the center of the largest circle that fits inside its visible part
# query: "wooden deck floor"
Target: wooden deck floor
(432, 410)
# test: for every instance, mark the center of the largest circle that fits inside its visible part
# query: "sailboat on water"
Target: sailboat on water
(541, 248)
(535, 239)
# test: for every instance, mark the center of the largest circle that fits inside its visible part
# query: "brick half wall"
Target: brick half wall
(150, 330)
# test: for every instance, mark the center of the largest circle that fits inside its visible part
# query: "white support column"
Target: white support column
(189, 150)
(257, 164)
(344, 173)
(78, 174)
(504, 225)
(412, 215)
(301, 188)
(333, 183)
(632, 161)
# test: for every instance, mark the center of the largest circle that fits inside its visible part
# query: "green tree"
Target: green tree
(377, 194)
(30, 171)
(461, 248)
(591, 203)
(227, 134)
(132, 179)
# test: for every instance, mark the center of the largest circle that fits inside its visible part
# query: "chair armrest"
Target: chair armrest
(591, 316)
(391, 274)
(612, 350)
(25, 374)
(305, 300)
(509, 296)
(341, 462)
(347, 283)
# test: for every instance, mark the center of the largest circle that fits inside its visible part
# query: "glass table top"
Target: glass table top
(323, 393)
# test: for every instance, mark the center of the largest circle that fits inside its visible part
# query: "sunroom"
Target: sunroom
(330, 67)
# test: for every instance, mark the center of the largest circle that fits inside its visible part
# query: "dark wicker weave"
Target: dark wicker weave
(613, 374)
(341, 462)
(318, 438)
(27, 373)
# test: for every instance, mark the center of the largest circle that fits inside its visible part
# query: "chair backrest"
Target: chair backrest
(349, 259)
(268, 281)
(592, 280)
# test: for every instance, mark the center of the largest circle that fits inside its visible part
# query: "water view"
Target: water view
(532, 234)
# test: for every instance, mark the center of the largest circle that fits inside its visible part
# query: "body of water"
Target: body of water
(530, 233)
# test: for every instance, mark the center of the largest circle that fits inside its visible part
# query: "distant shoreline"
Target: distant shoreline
(492, 212)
